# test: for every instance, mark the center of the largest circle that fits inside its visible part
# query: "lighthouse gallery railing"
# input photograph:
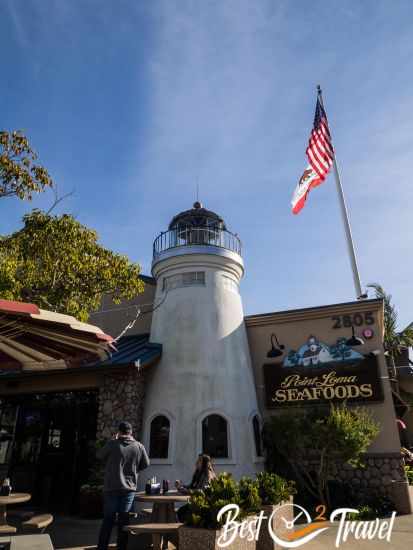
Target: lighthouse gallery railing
(188, 236)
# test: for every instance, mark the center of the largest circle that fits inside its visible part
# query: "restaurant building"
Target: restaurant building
(194, 374)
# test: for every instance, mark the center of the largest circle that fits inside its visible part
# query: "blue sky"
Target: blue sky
(132, 103)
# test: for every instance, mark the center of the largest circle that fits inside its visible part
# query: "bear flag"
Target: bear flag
(320, 156)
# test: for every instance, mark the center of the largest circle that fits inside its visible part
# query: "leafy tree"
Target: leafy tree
(19, 174)
(394, 341)
(311, 442)
(57, 263)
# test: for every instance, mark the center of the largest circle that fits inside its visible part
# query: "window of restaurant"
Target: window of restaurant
(159, 437)
(256, 426)
(215, 436)
(47, 445)
(8, 418)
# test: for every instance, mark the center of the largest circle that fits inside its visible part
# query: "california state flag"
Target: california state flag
(320, 156)
(308, 180)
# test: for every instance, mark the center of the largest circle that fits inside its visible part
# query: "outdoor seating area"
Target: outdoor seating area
(27, 521)
(162, 523)
(23, 529)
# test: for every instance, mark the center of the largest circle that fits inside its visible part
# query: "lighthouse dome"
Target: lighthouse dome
(192, 229)
(197, 216)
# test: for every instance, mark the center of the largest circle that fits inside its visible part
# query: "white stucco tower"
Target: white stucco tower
(201, 396)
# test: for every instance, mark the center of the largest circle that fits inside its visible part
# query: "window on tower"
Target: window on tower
(215, 436)
(191, 278)
(159, 437)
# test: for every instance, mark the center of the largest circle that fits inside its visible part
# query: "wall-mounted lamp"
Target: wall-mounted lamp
(276, 348)
(354, 340)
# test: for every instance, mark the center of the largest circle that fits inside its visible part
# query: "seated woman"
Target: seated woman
(204, 472)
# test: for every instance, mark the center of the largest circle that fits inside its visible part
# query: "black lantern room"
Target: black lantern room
(197, 226)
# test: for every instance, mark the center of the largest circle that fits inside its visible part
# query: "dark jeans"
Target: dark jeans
(114, 504)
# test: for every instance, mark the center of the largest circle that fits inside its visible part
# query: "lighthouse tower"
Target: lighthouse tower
(201, 397)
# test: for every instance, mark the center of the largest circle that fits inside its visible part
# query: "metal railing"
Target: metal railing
(188, 236)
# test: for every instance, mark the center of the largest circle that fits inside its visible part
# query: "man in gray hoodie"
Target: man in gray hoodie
(125, 458)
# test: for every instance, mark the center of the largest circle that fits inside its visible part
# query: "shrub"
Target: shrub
(250, 500)
(371, 508)
(205, 505)
(409, 474)
(319, 438)
(365, 512)
(274, 489)
(249, 494)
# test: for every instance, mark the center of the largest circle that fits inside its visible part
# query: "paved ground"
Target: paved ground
(76, 534)
(401, 539)
(73, 533)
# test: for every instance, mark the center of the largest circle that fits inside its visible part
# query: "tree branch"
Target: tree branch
(58, 199)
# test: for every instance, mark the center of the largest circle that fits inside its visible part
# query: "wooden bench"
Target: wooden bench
(148, 511)
(22, 515)
(157, 530)
(7, 530)
(37, 524)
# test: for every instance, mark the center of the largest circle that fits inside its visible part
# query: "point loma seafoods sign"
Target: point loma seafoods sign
(352, 381)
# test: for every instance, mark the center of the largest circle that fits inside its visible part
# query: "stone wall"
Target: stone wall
(377, 477)
(121, 397)
(382, 476)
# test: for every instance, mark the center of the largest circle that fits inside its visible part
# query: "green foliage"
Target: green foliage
(394, 341)
(365, 512)
(371, 508)
(19, 174)
(249, 494)
(312, 441)
(205, 505)
(57, 263)
(273, 488)
(250, 500)
(409, 474)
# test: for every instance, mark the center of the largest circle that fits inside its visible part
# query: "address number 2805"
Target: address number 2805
(357, 319)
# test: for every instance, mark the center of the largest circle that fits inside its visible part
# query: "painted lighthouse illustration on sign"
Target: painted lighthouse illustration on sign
(201, 396)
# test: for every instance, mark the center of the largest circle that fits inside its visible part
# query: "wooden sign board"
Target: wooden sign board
(352, 381)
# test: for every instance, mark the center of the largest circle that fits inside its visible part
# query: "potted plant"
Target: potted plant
(204, 531)
(90, 500)
(91, 492)
(275, 492)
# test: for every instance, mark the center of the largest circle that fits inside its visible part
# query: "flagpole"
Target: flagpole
(346, 222)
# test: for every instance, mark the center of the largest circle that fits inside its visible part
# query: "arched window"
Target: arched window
(215, 436)
(257, 435)
(159, 437)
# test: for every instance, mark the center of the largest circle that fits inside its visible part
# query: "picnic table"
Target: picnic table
(13, 498)
(163, 509)
(163, 523)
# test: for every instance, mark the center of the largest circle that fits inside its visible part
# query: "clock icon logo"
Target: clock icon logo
(287, 532)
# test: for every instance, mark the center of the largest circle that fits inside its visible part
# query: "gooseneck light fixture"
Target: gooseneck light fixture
(276, 348)
(354, 340)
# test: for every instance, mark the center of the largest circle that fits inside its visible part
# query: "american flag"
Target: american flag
(320, 149)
